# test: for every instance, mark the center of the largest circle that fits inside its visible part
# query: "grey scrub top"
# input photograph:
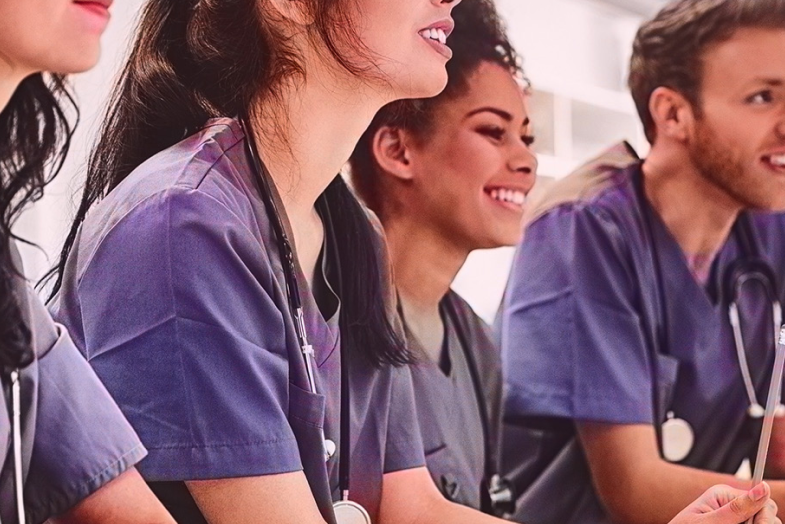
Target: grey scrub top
(174, 292)
(581, 293)
(451, 420)
(74, 437)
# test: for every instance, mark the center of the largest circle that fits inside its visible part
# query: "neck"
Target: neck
(425, 264)
(9, 82)
(306, 135)
(697, 213)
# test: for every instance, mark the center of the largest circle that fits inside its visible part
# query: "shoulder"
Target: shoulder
(202, 183)
(601, 187)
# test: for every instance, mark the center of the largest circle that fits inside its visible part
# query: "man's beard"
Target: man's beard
(718, 166)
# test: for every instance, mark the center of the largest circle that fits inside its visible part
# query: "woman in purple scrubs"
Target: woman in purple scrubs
(447, 176)
(175, 283)
(66, 451)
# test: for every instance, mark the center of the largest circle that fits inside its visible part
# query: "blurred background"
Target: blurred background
(575, 52)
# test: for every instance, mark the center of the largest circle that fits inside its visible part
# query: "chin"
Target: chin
(78, 61)
(425, 86)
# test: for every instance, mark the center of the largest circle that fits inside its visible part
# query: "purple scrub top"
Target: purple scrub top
(581, 293)
(448, 409)
(74, 437)
(174, 292)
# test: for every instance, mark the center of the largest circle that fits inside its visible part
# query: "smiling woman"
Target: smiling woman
(447, 176)
(68, 453)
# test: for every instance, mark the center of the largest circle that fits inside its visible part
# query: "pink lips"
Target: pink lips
(97, 13)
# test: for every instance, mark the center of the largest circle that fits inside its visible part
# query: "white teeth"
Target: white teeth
(777, 160)
(435, 34)
(510, 196)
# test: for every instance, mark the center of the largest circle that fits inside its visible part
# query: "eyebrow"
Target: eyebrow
(498, 112)
(773, 82)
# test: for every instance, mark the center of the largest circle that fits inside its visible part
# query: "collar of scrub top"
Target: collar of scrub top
(748, 267)
(286, 252)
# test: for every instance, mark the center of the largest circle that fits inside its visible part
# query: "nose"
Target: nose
(451, 3)
(781, 128)
(523, 161)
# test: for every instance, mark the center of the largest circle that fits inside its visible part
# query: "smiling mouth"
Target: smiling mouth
(775, 161)
(435, 34)
(510, 198)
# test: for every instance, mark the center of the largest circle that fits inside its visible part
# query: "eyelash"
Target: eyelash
(497, 133)
(769, 97)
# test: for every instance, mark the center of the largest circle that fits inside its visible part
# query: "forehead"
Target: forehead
(492, 85)
(750, 55)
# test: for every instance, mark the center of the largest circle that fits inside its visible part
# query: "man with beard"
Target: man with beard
(629, 391)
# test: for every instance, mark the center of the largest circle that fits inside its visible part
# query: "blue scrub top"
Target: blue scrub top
(174, 291)
(74, 437)
(580, 298)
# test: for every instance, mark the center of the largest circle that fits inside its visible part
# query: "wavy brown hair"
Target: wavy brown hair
(668, 50)
(193, 60)
(35, 134)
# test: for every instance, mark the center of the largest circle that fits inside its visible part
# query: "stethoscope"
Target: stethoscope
(15, 411)
(346, 511)
(676, 435)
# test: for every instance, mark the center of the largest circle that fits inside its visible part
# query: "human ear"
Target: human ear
(672, 114)
(391, 152)
(294, 11)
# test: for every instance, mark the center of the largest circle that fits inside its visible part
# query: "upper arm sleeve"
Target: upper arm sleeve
(404, 448)
(573, 342)
(82, 441)
(180, 323)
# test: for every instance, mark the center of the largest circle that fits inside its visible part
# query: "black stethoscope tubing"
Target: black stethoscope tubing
(293, 291)
(479, 393)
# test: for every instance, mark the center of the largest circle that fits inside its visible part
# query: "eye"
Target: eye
(761, 97)
(496, 133)
(528, 140)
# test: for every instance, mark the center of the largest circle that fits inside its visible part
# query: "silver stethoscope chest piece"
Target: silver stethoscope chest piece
(677, 438)
(348, 512)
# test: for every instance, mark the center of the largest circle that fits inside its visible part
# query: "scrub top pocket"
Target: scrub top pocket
(306, 417)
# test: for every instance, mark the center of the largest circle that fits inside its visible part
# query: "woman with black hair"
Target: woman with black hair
(446, 176)
(67, 451)
(225, 284)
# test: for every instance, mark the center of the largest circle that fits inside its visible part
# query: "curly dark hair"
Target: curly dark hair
(668, 50)
(35, 135)
(479, 36)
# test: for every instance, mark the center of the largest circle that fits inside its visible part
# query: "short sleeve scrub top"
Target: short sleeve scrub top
(175, 293)
(74, 438)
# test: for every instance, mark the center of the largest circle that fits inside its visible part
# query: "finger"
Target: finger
(745, 506)
(768, 515)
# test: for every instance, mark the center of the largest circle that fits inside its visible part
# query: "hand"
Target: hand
(726, 505)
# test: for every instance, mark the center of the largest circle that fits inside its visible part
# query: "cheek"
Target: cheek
(52, 37)
(476, 159)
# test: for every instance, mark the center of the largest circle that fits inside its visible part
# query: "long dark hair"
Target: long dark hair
(34, 138)
(193, 60)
